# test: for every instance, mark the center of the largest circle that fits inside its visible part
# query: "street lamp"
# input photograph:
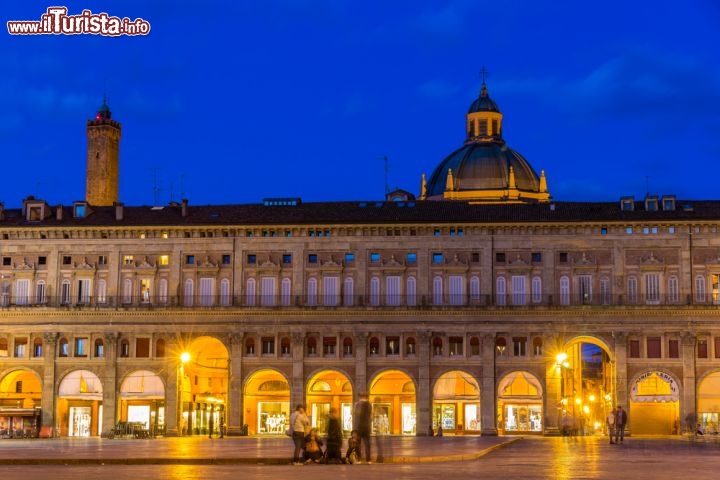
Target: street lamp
(184, 358)
(562, 364)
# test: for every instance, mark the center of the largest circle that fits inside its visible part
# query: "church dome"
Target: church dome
(485, 169)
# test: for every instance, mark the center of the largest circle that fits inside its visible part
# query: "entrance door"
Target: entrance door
(79, 421)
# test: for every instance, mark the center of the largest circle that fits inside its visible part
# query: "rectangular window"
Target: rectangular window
(456, 289)
(329, 344)
(519, 293)
(128, 260)
(190, 259)
(519, 346)
(500, 257)
(374, 257)
(268, 345)
(411, 258)
(226, 259)
(142, 347)
(652, 288)
(349, 258)
(702, 348)
(653, 347)
(207, 292)
(536, 257)
(81, 345)
(66, 260)
(251, 259)
(475, 257)
(331, 290)
(455, 345)
(21, 347)
(312, 258)
(634, 348)
(673, 349)
(7, 261)
(287, 259)
(392, 290)
(42, 260)
(102, 260)
(437, 258)
(563, 257)
(164, 260)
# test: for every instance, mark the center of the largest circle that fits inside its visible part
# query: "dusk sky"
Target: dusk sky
(235, 101)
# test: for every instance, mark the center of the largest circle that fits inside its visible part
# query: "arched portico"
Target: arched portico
(456, 402)
(329, 389)
(392, 394)
(266, 398)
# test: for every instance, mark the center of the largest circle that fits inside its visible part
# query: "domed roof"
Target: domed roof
(483, 167)
(483, 103)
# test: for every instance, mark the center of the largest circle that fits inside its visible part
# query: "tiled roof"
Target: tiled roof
(370, 212)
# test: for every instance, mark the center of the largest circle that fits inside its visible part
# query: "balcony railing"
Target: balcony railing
(511, 301)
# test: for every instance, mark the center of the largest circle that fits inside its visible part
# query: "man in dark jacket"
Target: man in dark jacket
(620, 422)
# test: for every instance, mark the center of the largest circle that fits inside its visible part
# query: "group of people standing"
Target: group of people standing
(308, 446)
(616, 421)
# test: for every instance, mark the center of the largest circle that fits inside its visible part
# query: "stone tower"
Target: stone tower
(103, 158)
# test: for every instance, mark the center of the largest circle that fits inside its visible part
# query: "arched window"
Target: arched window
(347, 347)
(40, 292)
(250, 292)
(225, 292)
(160, 348)
(249, 346)
(285, 292)
(500, 298)
(564, 290)
(99, 350)
(500, 346)
(374, 291)
(475, 289)
(101, 292)
(437, 290)
(410, 347)
(700, 289)
(65, 292)
(605, 291)
(411, 292)
(163, 291)
(673, 289)
(127, 291)
(348, 292)
(63, 351)
(537, 346)
(374, 345)
(536, 290)
(312, 346)
(437, 344)
(285, 347)
(188, 293)
(312, 292)
(632, 290)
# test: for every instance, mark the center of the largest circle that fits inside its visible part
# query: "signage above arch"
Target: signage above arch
(655, 386)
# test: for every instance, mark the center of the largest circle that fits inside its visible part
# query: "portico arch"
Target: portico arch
(392, 394)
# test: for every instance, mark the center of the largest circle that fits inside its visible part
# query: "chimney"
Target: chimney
(184, 207)
(119, 211)
(59, 213)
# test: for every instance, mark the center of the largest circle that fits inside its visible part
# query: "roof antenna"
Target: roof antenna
(647, 185)
(385, 159)
(156, 188)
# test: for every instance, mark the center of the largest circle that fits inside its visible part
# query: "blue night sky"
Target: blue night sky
(234, 101)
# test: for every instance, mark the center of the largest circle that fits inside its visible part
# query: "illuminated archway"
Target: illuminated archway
(142, 400)
(708, 401)
(392, 394)
(326, 389)
(520, 403)
(456, 402)
(654, 404)
(585, 371)
(266, 399)
(79, 406)
(21, 392)
(204, 385)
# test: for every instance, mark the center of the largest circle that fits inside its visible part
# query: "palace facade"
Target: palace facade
(482, 306)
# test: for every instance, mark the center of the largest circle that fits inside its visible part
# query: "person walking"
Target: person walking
(362, 419)
(620, 422)
(333, 453)
(299, 421)
(610, 422)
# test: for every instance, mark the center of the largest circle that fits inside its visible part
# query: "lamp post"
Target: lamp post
(184, 358)
(561, 364)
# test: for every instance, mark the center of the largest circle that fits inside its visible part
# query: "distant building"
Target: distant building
(481, 307)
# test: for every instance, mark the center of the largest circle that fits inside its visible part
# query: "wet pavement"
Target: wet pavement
(452, 458)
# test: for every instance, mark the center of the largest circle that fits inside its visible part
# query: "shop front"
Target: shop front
(330, 389)
(79, 406)
(19, 422)
(456, 403)
(654, 404)
(142, 401)
(266, 400)
(520, 401)
(392, 395)
(709, 404)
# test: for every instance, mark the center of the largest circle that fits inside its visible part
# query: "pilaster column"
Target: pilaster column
(297, 383)
(110, 387)
(423, 397)
(553, 391)
(361, 350)
(234, 415)
(621, 379)
(47, 401)
(173, 382)
(688, 401)
(488, 398)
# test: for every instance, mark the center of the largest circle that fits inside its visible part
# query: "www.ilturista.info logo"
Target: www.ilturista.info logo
(57, 22)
